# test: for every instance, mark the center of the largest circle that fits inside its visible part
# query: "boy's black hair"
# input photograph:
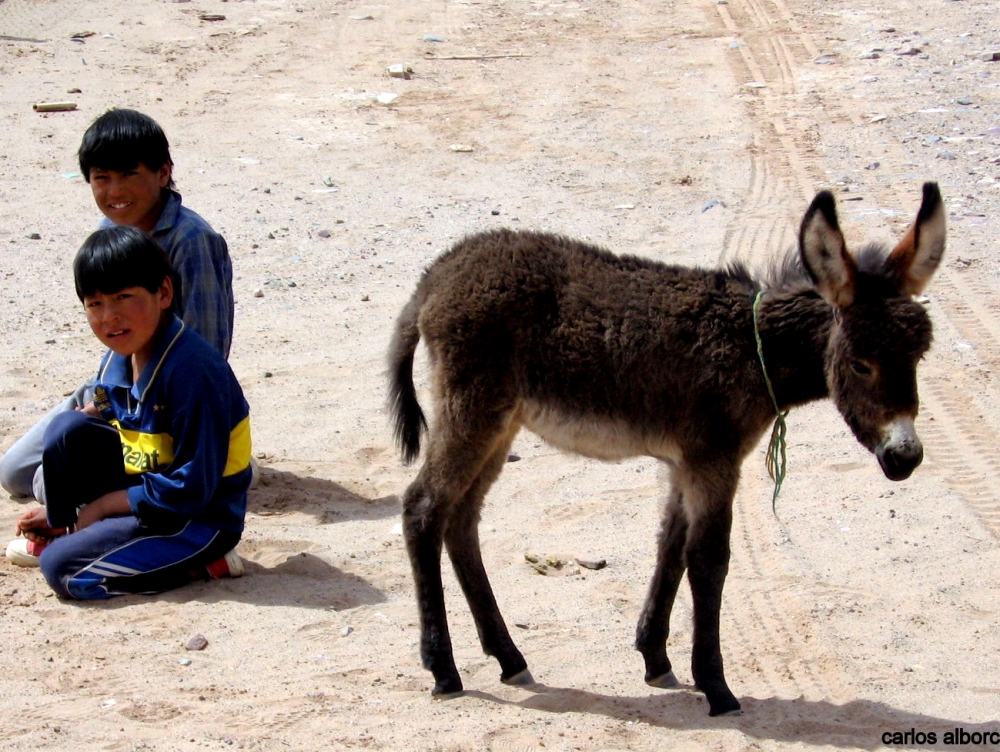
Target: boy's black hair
(118, 257)
(120, 140)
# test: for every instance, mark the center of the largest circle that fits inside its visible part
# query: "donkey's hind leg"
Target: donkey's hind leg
(456, 456)
(461, 539)
(654, 623)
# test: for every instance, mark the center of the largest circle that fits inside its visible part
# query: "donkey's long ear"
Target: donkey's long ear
(919, 253)
(824, 252)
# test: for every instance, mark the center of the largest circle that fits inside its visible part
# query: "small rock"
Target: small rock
(328, 182)
(873, 166)
(324, 233)
(735, 45)
(945, 154)
(932, 139)
(74, 91)
(185, 661)
(592, 563)
(868, 56)
(432, 38)
(211, 17)
(258, 293)
(386, 98)
(34, 236)
(365, 298)
(460, 147)
(989, 57)
(825, 60)
(709, 204)
(909, 51)
(368, 17)
(267, 374)
(346, 631)
(513, 457)
(876, 118)
(400, 71)
(495, 212)
(755, 85)
(963, 101)
(198, 642)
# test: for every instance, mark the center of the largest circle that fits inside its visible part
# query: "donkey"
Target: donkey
(618, 356)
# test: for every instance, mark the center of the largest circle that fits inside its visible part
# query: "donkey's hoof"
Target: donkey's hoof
(664, 681)
(437, 694)
(729, 713)
(521, 679)
(723, 707)
(447, 688)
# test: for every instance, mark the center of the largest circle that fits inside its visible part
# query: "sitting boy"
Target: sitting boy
(166, 402)
(125, 157)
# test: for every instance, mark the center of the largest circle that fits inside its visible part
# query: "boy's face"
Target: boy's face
(133, 197)
(127, 321)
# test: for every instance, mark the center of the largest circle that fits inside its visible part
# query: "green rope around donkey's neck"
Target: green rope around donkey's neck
(776, 459)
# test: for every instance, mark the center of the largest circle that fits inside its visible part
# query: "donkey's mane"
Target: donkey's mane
(787, 273)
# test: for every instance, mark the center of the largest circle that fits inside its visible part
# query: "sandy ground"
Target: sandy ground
(692, 132)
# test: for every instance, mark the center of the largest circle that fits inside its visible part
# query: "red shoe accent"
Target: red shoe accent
(229, 565)
(35, 547)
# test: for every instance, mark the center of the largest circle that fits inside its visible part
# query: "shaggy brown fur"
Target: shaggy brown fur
(617, 356)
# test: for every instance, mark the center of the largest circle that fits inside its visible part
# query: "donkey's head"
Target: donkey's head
(879, 333)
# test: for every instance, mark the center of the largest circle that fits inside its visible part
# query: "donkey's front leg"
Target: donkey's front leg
(422, 527)
(654, 623)
(707, 557)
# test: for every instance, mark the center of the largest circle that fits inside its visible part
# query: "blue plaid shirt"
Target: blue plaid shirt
(200, 257)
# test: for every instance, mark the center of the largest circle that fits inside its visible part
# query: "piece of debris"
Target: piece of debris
(460, 147)
(80, 35)
(432, 38)
(592, 563)
(198, 642)
(709, 204)
(53, 106)
(211, 17)
(400, 70)
(989, 57)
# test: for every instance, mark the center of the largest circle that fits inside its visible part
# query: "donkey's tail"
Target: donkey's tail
(408, 419)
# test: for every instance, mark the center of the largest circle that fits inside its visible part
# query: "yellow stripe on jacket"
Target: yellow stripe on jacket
(153, 452)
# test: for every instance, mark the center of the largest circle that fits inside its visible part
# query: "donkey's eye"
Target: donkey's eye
(861, 368)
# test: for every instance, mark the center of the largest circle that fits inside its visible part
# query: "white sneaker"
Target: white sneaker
(21, 552)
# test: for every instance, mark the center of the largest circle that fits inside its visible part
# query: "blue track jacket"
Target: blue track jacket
(185, 429)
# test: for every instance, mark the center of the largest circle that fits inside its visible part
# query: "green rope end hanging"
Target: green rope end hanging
(776, 458)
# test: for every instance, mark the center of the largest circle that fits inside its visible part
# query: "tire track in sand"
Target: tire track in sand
(778, 646)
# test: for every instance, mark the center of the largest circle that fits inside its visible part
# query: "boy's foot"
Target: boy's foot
(24, 552)
(230, 565)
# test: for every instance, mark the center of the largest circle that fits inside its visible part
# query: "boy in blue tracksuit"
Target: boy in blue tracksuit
(150, 480)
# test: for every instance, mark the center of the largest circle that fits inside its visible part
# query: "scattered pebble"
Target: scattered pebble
(185, 661)
(386, 98)
(963, 101)
(909, 51)
(868, 56)
(825, 60)
(368, 17)
(495, 212)
(211, 17)
(324, 233)
(34, 236)
(258, 293)
(346, 631)
(198, 642)
(709, 204)
(400, 71)
(945, 154)
(592, 563)
(873, 166)
(756, 85)
(365, 298)
(267, 374)
(513, 457)
(989, 57)
(877, 118)
(460, 147)
(432, 38)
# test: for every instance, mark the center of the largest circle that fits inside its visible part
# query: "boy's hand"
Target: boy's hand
(114, 504)
(33, 524)
(89, 409)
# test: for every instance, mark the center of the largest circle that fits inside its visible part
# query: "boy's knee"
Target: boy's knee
(15, 478)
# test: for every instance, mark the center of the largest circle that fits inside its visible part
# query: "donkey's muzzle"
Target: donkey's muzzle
(900, 451)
